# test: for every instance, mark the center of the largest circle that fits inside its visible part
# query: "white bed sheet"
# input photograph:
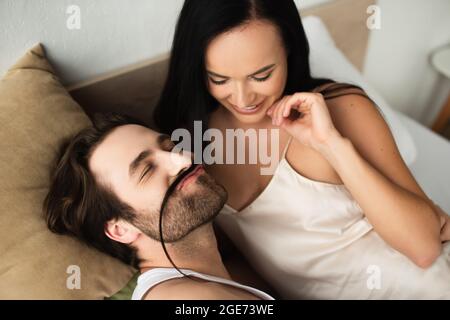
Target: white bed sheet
(431, 167)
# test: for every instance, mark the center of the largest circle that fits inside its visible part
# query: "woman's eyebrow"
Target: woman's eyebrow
(250, 75)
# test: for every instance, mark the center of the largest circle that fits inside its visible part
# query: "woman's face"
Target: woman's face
(247, 70)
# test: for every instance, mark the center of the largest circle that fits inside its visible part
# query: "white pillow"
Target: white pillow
(327, 61)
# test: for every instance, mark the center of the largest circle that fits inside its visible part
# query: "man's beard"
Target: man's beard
(183, 213)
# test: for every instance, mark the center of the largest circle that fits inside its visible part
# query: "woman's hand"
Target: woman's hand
(305, 116)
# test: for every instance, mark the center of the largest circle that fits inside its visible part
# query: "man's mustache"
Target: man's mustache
(181, 175)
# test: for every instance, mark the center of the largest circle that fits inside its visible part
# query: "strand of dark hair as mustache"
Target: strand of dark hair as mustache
(169, 192)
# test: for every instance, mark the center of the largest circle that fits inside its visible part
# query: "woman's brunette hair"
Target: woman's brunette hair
(185, 97)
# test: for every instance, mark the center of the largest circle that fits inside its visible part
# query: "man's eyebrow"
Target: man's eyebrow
(253, 74)
(161, 139)
(137, 161)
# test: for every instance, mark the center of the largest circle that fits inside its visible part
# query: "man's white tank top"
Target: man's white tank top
(153, 277)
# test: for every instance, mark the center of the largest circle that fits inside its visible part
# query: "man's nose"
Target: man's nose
(175, 162)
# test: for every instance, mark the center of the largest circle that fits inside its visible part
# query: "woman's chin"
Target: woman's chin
(251, 119)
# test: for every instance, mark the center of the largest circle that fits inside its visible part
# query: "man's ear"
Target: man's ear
(121, 231)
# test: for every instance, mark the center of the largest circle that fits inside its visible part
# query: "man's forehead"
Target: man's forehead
(128, 136)
(120, 146)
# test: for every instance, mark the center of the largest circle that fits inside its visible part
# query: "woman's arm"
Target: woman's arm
(402, 218)
(352, 135)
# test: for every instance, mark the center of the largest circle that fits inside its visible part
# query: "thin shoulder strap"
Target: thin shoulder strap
(286, 148)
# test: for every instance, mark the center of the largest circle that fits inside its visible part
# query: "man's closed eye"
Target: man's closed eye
(147, 172)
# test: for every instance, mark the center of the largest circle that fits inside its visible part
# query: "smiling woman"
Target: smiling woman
(252, 82)
(203, 70)
(341, 199)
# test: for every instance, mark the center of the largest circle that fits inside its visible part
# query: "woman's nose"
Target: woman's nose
(242, 96)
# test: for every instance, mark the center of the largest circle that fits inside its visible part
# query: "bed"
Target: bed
(338, 47)
(431, 168)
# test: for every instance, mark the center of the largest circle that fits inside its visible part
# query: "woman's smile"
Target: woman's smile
(252, 109)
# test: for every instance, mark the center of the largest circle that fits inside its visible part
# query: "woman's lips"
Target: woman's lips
(248, 111)
(199, 170)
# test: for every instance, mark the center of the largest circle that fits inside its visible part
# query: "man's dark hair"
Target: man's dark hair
(79, 206)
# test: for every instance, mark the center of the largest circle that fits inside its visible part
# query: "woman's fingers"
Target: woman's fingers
(287, 110)
(301, 101)
(279, 113)
(271, 110)
(274, 110)
(291, 102)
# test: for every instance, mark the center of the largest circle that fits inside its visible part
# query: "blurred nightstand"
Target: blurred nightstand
(440, 60)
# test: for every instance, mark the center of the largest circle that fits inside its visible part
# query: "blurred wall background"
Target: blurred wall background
(117, 33)
(397, 62)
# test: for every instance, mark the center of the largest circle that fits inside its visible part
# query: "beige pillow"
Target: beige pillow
(36, 113)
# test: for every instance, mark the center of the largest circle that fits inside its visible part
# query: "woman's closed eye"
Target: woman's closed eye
(263, 78)
(259, 79)
(218, 82)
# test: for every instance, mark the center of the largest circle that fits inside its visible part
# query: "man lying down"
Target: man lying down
(110, 184)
